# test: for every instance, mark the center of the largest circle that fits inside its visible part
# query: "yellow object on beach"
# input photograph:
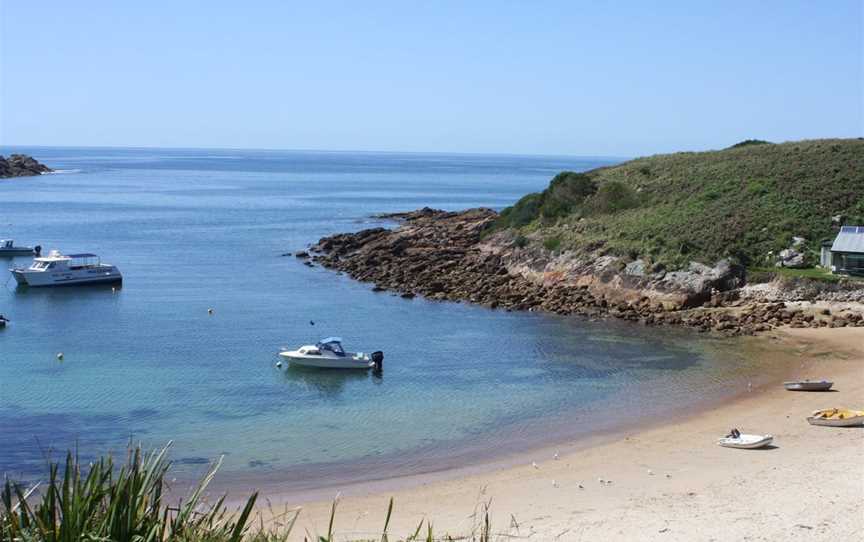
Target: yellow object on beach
(837, 417)
(837, 413)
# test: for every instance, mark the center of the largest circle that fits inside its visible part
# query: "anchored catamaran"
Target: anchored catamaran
(58, 269)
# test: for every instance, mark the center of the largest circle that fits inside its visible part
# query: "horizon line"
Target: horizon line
(322, 151)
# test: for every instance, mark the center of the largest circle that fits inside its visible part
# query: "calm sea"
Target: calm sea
(199, 229)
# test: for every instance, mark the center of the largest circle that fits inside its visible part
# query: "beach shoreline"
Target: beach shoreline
(666, 479)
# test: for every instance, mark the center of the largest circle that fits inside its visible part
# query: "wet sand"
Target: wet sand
(668, 482)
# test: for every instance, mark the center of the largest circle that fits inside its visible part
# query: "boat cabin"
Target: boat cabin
(331, 344)
(56, 261)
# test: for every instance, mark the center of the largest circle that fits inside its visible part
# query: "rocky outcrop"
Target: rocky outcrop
(444, 256)
(21, 165)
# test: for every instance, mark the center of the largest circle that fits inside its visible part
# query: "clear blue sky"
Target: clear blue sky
(585, 78)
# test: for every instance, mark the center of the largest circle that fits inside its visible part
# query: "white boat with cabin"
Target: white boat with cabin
(329, 354)
(58, 269)
(8, 248)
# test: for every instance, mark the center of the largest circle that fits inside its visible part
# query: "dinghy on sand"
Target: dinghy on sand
(736, 439)
(837, 417)
(808, 385)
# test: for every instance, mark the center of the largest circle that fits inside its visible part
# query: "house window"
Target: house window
(852, 263)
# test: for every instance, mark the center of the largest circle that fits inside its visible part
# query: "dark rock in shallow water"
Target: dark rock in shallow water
(301, 254)
(21, 165)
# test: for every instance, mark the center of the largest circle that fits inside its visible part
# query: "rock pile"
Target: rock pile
(442, 256)
(21, 165)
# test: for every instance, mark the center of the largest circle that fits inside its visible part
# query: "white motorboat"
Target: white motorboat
(58, 269)
(8, 248)
(748, 442)
(329, 354)
(808, 385)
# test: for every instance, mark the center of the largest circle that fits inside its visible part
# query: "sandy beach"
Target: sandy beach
(667, 482)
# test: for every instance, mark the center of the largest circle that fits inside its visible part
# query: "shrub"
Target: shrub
(520, 241)
(612, 197)
(749, 142)
(521, 214)
(552, 243)
(566, 192)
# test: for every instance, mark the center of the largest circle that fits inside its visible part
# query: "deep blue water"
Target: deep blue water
(195, 229)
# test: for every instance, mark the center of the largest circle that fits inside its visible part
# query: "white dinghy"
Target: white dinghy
(736, 439)
(329, 354)
(808, 385)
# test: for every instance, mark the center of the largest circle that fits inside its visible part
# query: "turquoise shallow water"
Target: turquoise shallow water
(194, 229)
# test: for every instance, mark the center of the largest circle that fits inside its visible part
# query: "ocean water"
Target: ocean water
(199, 229)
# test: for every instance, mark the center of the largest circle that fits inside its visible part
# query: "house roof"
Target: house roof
(850, 239)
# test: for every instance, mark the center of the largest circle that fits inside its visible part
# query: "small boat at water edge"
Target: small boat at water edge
(329, 354)
(736, 439)
(8, 248)
(808, 385)
(837, 417)
(58, 269)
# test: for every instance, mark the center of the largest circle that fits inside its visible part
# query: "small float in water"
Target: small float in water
(9, 248)
(3, 321)
(837, 417)
(329, 354)
(808, 385)
(736, 439)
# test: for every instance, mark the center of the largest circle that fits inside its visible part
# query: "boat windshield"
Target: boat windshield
(334, 347)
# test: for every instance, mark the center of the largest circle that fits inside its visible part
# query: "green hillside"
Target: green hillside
(741, 202)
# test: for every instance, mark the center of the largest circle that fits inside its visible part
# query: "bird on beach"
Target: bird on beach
(534, 464)
(554, 483)
(556, 456)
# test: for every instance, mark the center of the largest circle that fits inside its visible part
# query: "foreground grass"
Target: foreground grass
(106, 502)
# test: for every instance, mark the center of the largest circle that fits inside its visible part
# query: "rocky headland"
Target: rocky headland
(21, 165)
(453, 256)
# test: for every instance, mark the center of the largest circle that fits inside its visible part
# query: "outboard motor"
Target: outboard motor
(37, 250)
(378, 360)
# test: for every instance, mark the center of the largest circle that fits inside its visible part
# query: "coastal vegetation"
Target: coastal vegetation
(744, 203)
(103, 501)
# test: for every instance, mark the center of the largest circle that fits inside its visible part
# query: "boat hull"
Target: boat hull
(808, 385)
(746, 442)
(835, 422)
(326, 362)
(48, 279)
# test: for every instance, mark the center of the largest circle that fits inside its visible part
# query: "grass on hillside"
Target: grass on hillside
(104, 502)
(740, 203)
(811, 273)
